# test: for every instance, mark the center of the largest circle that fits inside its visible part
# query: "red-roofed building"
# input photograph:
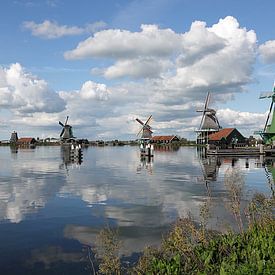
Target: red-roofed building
(227, 137)
(26, 141)
(164, 139)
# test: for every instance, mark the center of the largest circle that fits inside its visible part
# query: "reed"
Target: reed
(191, 248)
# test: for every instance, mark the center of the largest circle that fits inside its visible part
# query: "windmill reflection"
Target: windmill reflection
(14, 151)
(269, 166)
(211, 164)
(71, 154)
(210, 167)
(146, 163)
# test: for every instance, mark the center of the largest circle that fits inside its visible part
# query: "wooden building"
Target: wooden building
(164, 139)
(27, 141)
(227, 138)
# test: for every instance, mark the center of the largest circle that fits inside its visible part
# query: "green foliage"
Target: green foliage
(162, 266)
(251, 252)
(108, 252)
(190, 248)
(234, 182)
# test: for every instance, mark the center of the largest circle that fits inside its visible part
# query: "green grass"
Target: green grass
(191, 248)
(251, 252)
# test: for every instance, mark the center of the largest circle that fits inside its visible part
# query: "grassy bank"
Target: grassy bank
(186, 251)
(192, 248)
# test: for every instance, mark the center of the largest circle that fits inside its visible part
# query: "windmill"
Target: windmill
(67, 131)
(145, 133)
(209, 122)
(268, 133)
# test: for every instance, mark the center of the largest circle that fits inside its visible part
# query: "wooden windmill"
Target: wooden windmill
(209, 122)
(268, 133)
(145, 133)
(67, 131)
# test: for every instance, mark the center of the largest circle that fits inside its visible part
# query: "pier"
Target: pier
(255, 151)
(236, 152)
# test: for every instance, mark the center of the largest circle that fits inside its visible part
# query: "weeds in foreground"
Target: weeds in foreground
(191, 248)
(234, 183)
(187, 250)
(107, 251)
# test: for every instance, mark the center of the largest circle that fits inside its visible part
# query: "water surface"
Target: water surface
(51, 208)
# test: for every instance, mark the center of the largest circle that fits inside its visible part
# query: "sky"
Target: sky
(105, 63)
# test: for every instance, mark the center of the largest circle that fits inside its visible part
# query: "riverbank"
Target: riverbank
(191, 248)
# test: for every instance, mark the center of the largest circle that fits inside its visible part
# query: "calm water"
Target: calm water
(50, 208)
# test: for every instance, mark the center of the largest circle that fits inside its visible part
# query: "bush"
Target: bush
(189, 248)
(251, 252)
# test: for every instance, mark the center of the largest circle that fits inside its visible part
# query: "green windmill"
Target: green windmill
(268, 134)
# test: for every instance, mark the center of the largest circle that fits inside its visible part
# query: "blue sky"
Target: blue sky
(93, 61)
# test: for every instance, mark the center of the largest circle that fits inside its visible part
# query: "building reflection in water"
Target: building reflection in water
(71, 155)
(210, 167)
(36, 194)
(166, 148)
(211, 164)
(146, 163)
(269, 165)
(14, 151)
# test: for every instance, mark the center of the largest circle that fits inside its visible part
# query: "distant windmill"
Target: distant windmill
(209, 119)
(146, 130)
(268, 134)
(209, 122)
(67, 131)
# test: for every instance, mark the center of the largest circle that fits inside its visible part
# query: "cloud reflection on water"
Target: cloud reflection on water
(143, 199)
(173, 182)
(32, 179)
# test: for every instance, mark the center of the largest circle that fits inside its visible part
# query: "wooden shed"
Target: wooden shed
(26, 141)
(227, 138)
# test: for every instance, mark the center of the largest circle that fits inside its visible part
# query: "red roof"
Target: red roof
(25, 140)
(224, 133)
(163, 138)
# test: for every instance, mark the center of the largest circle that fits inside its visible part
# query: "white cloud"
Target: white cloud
(166, 74)
(197, 58)
(198, 43)
(228, 64)
(267, 51)
(90, 91)
(242, 120)
(25, 93)
(137, 68)
(115, 43)
(96, 26)
(52, 30)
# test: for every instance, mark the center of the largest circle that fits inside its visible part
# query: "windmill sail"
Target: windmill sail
(268, 133)
(146, 131)
(67, 131)
(210, 122)
(209, 119)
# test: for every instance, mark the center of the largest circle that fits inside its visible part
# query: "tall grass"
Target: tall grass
(191, 248)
